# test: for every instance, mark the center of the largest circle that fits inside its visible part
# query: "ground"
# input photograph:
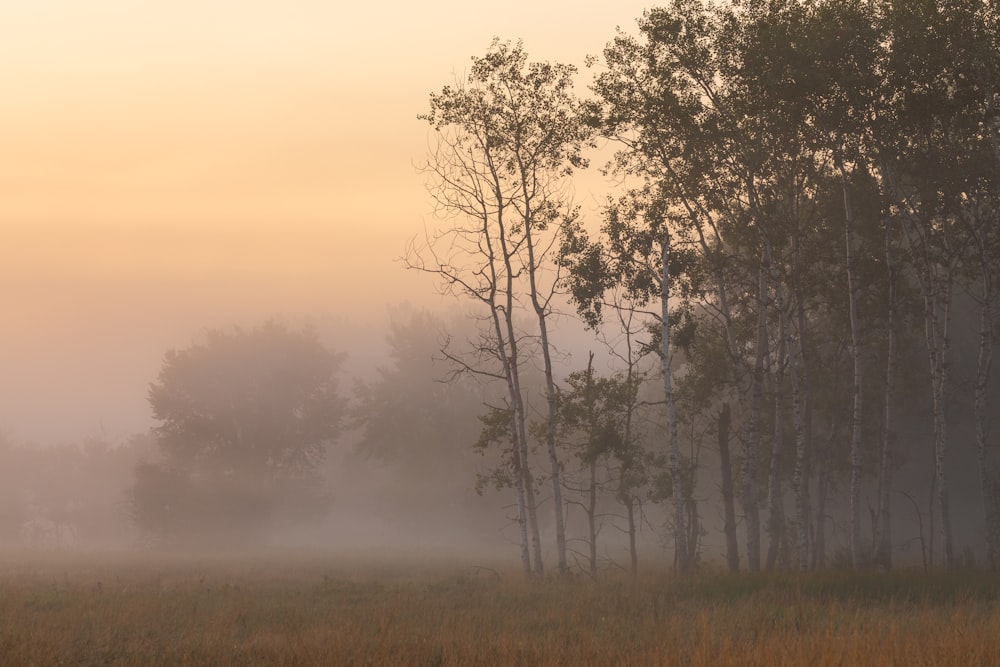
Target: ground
(384, 609)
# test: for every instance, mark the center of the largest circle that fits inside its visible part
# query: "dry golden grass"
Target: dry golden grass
(88, 610)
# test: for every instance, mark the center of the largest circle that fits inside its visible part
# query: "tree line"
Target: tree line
(806, 189)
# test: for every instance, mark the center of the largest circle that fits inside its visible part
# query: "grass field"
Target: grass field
(363, 610)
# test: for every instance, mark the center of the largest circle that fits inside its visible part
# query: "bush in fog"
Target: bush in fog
(68, 494)
(245, 421)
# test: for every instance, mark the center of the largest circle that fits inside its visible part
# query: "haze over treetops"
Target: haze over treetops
(176, 166)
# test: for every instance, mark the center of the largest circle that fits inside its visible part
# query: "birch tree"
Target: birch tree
(506, 140)
(938, 65)
(658, 100)
(596, 414)
(642, 258)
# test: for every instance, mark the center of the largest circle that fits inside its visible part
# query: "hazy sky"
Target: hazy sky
(172, 166)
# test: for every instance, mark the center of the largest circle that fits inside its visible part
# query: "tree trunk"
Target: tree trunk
(744, 383)
(802, 420)
(525, 480)
(555, 469)
(527, 516)
(694, 530)
(801, 475)
(592, 454)
(986, 455)
(934, 275)
(931, 501)
(625, 490)
(857, 553)
(522, 516)
(776, 507)
(625, 493)
(988, 469)
(936, 333)
(822, 486)
(751, 448)
(517, 402)
(728, 504)
(674, 453)
(592, 516)
(883, 545)
(633, 554)
(532, 506)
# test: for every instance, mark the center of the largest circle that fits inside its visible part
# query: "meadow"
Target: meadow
(365, 609)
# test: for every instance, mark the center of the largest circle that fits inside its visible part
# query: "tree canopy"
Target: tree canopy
(245, 419)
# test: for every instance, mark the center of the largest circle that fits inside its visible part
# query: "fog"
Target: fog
(69, 485)
(417, 495)
(211, 341)
(202, 166)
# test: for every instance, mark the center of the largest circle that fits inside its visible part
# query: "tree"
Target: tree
(674, 100)
(641, 256)
(596, 418)
(246, 417)
(507, 139)
(939, 153)
(412, 412)
(416, 425)
(723, 112)
(784, 143)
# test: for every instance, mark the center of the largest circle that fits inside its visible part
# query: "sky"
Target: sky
(170, 167)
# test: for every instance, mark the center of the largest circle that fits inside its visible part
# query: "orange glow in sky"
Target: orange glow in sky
(172, 166)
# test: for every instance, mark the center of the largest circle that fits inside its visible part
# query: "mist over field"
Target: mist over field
(543, 334)
(410, 488)
(321, 314)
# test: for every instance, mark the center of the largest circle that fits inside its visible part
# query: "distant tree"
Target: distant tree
(69, 493)
(245, 421)
(413, 411)
(417, 423)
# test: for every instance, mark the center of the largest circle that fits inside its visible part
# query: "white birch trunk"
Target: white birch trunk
(802, 416)
(751, 448)
(800, 479)
(541, 313)
(507, 353)
(937, 335)
(728, 505)
(626, 494)
(517, 400)
(592, 491)
(776, 508)
(529, 480)
(937, 302)
(883, 546)
(680, 533)
(522, 515)
(857, 553)
(555, 468)
(819, 548)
